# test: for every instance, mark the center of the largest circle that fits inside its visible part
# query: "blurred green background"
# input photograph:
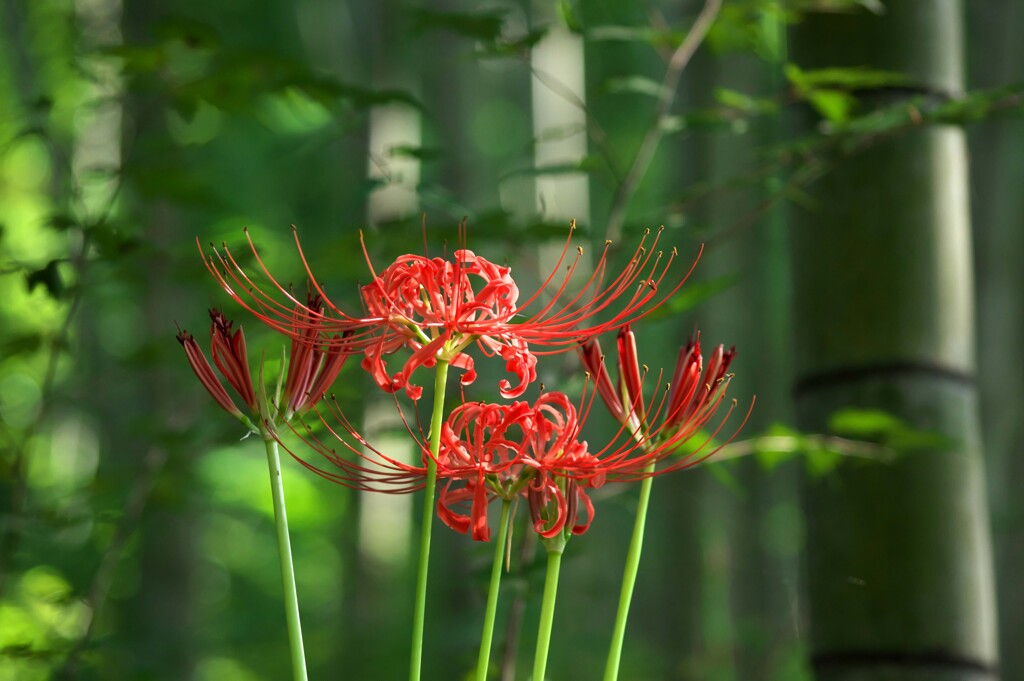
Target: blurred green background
(137, 528)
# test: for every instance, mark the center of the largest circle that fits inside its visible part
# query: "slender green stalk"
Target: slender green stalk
(636, 545)
(420, 609)
(547, 615)
(483, 662)
(291, 598)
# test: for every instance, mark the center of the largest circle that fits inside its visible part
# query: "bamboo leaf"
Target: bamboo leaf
(846, 78)
(640, 85)
(570, 18)
(636, 34)
(745, 103)
(49, 277)
(693, 295)
(485, 26)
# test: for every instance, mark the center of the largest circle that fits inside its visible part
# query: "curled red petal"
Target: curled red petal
(481, 530)
(447, 500)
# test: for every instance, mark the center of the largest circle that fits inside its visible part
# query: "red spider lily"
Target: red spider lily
(481, 446)
(491, 451)
(555, 449)
(693, 396)
(311, 370)
(565, 467)
(506, 451)
(437, 308)
(229, 354)
(431, 307)
(534, 451)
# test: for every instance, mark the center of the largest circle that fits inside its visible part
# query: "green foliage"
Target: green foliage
(692, 295)
(746, 104)
(831, 91)
(636, 34)
(48, 277)
(488, 28)
(871, 425)
(750, 26)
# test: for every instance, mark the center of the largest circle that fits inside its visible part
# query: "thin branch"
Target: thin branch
(595, 131)
(795, 445)
(649, 145)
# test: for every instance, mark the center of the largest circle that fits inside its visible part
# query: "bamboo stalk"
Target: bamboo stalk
(900, 574)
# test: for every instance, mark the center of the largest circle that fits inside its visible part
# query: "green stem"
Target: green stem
(291, 598)
(420, 608)
(547, 615)
(636, 544)
(483, 661)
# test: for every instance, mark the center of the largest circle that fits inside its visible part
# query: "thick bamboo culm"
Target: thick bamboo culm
(900, 569)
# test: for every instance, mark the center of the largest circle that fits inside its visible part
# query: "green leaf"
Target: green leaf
(635, 85)
(834, 105)
(50, 278)
(193, 34)
(112, 242)
(137, 58)
(699, 119)
(61, 222)
(744, 102)
(567, 13)
(843, 78)
(635, 34)
(587, 164)
(692, 295)
(485, 26)
(873, 6)
(24, 344)
(512, 47)
(821, 462)
(872, 425)
(722, 472)
(418, 153)
(767, 451)
(185, 107)
(863, 424)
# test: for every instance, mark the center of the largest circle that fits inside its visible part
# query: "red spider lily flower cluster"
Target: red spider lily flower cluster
(491, 451)
(311, 370)
(437, 308)
(487, 451)
(693, 396)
